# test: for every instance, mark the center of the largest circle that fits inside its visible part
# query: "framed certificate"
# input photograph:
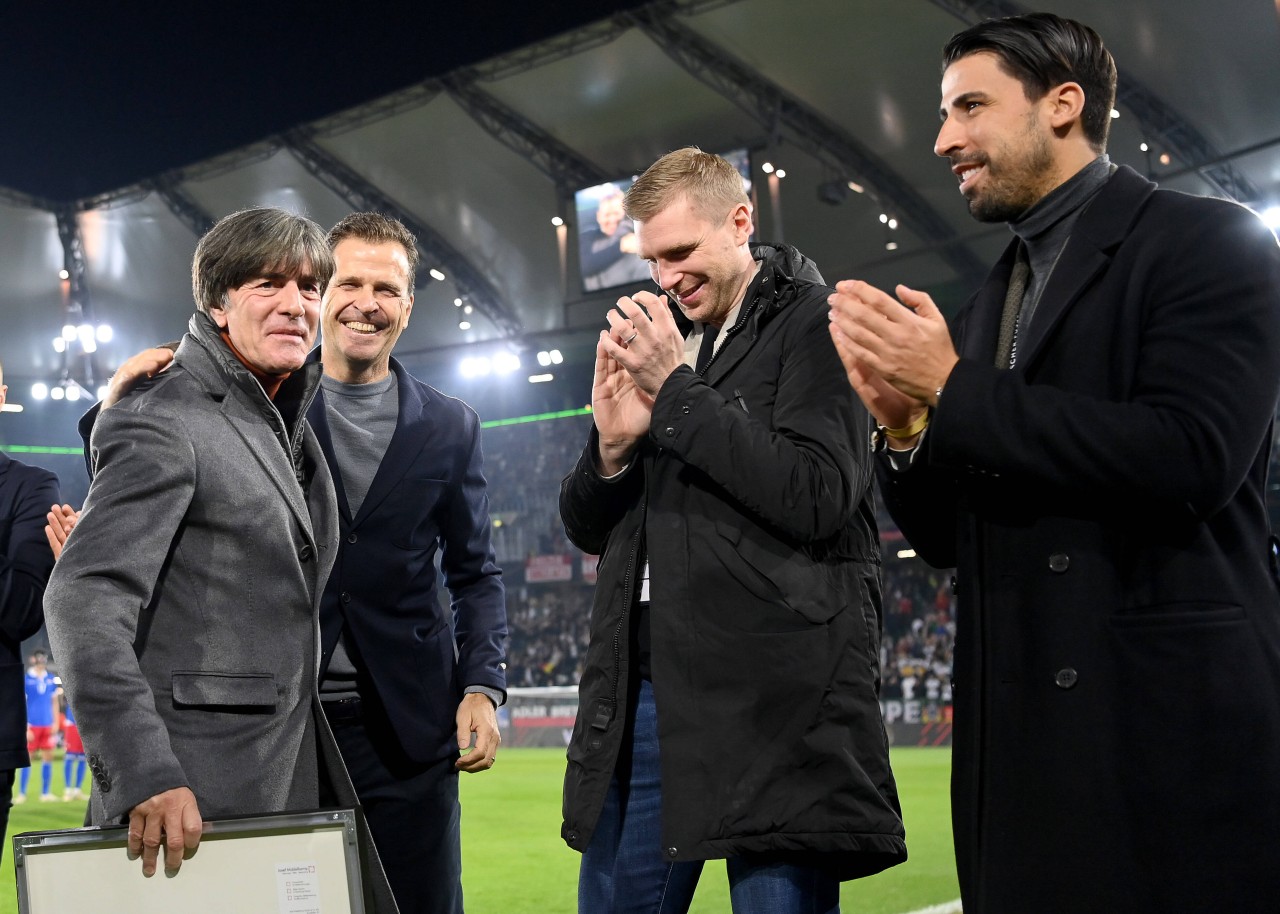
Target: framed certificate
(293, 863)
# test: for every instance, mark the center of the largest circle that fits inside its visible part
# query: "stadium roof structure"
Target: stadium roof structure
(478, 142)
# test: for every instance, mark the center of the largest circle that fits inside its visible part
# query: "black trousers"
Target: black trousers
(412, 810)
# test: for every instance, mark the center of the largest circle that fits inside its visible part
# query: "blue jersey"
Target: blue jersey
(40, 689)
(67, 716)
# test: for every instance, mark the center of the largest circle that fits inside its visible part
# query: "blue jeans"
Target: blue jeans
(625, 872)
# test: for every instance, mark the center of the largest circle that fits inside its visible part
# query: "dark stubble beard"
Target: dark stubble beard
(1021, 178)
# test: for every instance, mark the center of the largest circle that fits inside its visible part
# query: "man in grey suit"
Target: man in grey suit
(183, 610)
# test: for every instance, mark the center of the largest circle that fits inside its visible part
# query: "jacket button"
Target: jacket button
(685, 410)
(572, 836)
(1066, 678)
(1059, 562)
(351, 537)
(954, 589)
(305, 553)
(346, 597)
(671, 852)
(671, 432)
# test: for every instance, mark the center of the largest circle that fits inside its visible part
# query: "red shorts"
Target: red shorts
(41, 738)
(71, 735)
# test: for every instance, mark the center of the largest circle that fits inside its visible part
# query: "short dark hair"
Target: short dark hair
(1041, 51)
(244, 245)
(378, 229)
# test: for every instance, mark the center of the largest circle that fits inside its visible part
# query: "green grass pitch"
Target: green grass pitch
(515, 863)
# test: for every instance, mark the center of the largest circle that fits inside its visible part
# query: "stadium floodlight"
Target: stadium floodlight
(767, 168)
(541, 378)
(464, 325)
(436, 275)
(105, 333)
(59, 344)
(544, 358)
(68, 332)
(63, 274)
(1271, 216)
(505, 362)
(474, 366)
(73, 391)
(39, 390)
(88, 341)
(57, 393)
(556, 357)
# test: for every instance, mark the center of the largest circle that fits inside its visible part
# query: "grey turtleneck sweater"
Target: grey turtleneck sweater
(1047, 225)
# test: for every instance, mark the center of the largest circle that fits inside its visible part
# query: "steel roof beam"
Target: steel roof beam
(775, 108)
(362, 195)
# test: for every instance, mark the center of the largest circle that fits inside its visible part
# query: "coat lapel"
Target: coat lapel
(981, 328)
(319, 420)
(410, 437)
(268, 451)
(1097, 234)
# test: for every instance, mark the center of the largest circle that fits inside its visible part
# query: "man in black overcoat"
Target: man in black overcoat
(1088, 445)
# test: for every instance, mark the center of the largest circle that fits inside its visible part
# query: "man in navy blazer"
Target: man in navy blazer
(1089, 447)
(26, 492)
(407, 683)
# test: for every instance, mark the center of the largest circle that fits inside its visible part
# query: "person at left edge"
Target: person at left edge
(25, 562)
(191, 654)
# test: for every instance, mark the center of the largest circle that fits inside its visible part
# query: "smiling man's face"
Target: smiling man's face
(998, 140)
(366, 308)
(271, 320)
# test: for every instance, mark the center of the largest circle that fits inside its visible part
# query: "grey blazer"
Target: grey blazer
(182, 613)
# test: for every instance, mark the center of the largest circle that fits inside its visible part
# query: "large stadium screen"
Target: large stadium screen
(607, 255)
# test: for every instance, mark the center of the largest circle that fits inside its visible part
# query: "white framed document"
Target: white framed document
(292, 863)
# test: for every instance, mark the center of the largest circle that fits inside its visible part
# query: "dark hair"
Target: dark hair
(248, 244)
(378, 229)
(1041, 51)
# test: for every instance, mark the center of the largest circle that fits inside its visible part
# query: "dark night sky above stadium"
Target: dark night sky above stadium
(97, 96)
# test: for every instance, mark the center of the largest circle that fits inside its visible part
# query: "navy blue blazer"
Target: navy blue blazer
(427, 497)
(26, 494)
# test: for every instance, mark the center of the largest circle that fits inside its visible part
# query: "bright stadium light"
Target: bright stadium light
(1271, 216)
(57, 393)
(556, 357)
(506, 362)
(474, 366)
(68, 332)
(59, 344)
(436, 274)
(102, 392)
(544, 358)
(39, 391)
(105, 333)
(541, 378)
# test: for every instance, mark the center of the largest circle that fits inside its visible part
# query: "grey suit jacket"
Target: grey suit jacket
(182, 612)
